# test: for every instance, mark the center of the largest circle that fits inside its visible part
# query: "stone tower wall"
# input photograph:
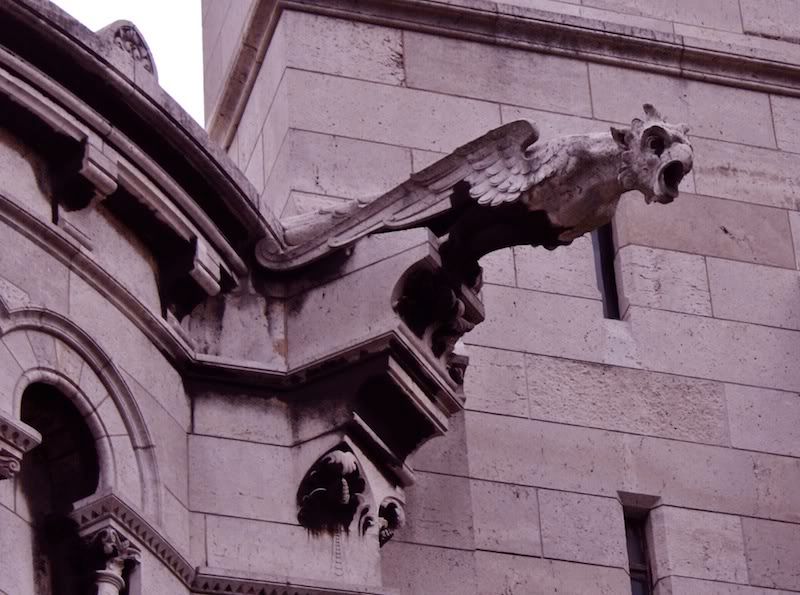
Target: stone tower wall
(691, 398)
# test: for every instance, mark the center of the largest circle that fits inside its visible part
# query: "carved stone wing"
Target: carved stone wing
(498, 167)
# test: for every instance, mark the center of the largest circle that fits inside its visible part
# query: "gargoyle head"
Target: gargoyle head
(655, 156)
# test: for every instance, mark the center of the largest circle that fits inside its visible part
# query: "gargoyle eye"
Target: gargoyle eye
(656, 144)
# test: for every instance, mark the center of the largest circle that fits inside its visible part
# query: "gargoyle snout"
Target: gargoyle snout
(677, 161)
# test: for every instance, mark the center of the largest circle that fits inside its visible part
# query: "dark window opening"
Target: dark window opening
(603, 243)
(638, 557)
(60, 471)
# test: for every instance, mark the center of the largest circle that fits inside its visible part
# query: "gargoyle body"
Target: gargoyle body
(507, 189)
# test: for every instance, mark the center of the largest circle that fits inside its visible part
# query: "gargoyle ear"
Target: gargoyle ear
(621, 136)
(651, 112)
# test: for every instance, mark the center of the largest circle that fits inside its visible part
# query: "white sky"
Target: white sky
(172, 29)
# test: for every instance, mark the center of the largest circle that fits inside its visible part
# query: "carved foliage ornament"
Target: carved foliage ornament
(116, 552)
(505, 189)
(332, 493)
(127, 37)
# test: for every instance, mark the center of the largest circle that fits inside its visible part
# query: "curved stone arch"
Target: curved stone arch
(51, 349)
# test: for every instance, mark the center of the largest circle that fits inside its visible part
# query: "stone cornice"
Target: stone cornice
(212, 581)
(512, 26)
(123, 96)
(111, 511)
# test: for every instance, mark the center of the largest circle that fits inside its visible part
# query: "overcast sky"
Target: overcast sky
(172, 29)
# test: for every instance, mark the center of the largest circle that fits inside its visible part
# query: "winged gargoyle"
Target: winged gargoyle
(505, 189)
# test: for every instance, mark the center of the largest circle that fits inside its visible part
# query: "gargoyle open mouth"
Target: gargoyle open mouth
(669, 178)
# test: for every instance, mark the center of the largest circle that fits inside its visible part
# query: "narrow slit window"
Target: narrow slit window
(603, 243)
(638, 558)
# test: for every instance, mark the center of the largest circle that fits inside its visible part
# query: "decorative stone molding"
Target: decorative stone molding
(110, 512)
(16, 438)
(332, 495)
(212, 581)
(127, 37)
(116, 553)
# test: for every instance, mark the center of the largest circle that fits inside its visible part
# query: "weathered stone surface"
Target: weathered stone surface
(746, 119)
(565, 326)
(716, 349)
(27, 186)
(415, 569)
(551, 124)
(771, 18)
(627, 400)
(16, 552)
(127, 346)
(691, 475)
(488, 72)
(243, 417)
(115, 249)
(175, 517)
(582, 528)
(345, 48)
(764, 420)
(520, 575)
(388, 114)
(794, 222)
(557, 457)
(716, 14)
(786, 114)
(266, 491)
(630, 20)
(10, 372)
(697, 544)
(263, 96)
(759, 294)
(777, 478)
(773, 558)
(128, 476)
(345, 168)
(254, 168)
(506, 518)
(680, 585)
(498, 267)
(495, 382)
(749, 45)
(570, 270)
(445, 454)
(32, 275)
(439, 512)
(168, 437)
(157, 577)
(709, 226)
(662, 279)
(748, 174)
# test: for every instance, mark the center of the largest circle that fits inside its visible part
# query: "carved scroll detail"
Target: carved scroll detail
(9, 465)
(332, 493)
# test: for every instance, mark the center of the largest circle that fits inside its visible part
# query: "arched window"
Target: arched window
(63, 469)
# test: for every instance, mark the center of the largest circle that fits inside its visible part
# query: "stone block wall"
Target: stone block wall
(692, 398)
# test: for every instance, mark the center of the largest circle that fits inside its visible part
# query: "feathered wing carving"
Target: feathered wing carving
(498, 167)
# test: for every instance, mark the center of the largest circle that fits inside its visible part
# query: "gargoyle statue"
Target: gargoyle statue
(505, 189)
